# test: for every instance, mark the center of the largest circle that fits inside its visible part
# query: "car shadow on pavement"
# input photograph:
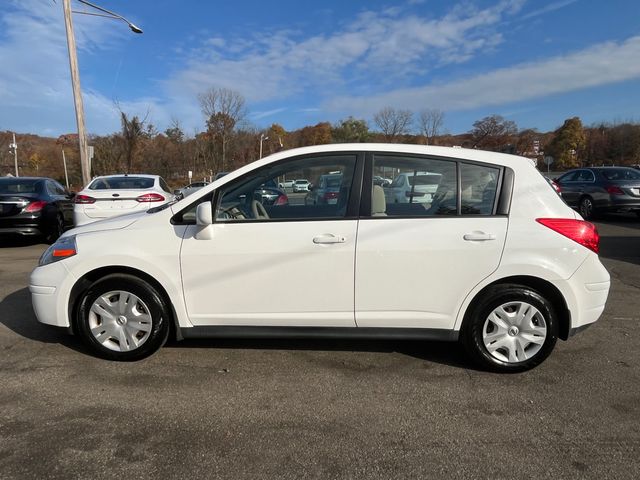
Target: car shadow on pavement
(17, 315)
(13, 242)
(626, 249)
(445, 353)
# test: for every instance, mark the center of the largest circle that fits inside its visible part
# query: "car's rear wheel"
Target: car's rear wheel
(511, 329)
(122, 317)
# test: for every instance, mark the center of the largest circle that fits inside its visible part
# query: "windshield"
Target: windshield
(621, 174)
(122, 183)
(18, 186)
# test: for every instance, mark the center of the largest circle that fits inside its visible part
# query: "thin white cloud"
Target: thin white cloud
(601, 64)
(548, 8)
(267, 113)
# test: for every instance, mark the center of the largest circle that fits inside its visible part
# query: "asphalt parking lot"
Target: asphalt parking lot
(320, 409)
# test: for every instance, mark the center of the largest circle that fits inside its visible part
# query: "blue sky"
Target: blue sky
(297, 63)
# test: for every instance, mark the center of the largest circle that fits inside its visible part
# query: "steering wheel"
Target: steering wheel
(258, 210)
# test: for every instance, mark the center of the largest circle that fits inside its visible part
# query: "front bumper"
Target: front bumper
(50, 286)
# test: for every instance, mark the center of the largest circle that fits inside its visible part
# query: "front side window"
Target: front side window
(569, 177)
(259, 196)
(585, 176)
(421, 187)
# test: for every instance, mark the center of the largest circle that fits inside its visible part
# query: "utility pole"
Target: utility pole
(77, 94)
(64, 162)
(262, 138)
(13, 147)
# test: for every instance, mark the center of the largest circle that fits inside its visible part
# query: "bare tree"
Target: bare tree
(493, 132)
(430, 123)
(393, 122)
(132, 132)
(223, 109)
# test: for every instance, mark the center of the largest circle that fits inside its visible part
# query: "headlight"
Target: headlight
(64, 247)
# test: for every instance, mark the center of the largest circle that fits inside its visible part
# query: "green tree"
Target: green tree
(567, 144)
(350, 130)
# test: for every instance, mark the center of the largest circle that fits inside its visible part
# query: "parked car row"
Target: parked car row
(42, 207)
(595, 190)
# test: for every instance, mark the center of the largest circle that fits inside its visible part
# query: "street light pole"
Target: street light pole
(77, 94)
(85, 166)
(14, 148)
(262, 138)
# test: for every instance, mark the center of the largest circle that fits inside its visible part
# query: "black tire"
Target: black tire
(55, 229)
(477, 320)
(152, 304)
(586, 208)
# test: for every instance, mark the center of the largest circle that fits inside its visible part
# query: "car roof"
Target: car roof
(26, 178)
(125, 175)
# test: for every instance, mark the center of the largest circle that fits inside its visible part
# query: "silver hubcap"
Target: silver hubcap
(120, 321)
(514, 332)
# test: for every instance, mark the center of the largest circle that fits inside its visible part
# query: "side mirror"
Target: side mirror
(204, 221)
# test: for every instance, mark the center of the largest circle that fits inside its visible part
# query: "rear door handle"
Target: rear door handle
(328, 238)
(479, 236)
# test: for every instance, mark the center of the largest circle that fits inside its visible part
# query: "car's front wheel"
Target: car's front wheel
(586, 208)
(122, 317)
(55, 229)
(511, 329)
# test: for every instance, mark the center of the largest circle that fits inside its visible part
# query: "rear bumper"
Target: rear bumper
(23, 224)
(586, 293)
(26, 231)
(622, 203)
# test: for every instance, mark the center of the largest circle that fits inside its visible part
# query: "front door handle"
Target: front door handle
(328, 238)
(478, 236)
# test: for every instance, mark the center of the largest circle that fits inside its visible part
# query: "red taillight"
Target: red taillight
(282, 200)
(35, 206)
(330, 195)
(584, 233)
(556, 187)
(84, 199)
(613, 190)
(150, 197)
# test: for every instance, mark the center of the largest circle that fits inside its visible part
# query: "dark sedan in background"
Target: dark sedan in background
(597, 190)
(34, 206)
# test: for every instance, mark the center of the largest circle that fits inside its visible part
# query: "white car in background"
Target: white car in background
(301, 185)
(113, 195)
(412, 187)
(504, 266)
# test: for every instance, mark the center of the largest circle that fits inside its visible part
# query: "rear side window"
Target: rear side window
(479, 186)
(621, 174)
(122, 183)
(421, 187)
(164, 186)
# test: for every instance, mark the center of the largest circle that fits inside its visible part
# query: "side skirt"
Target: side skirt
(321, 332)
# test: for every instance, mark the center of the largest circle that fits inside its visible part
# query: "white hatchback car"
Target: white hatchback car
(114, 195)
(504, 265)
